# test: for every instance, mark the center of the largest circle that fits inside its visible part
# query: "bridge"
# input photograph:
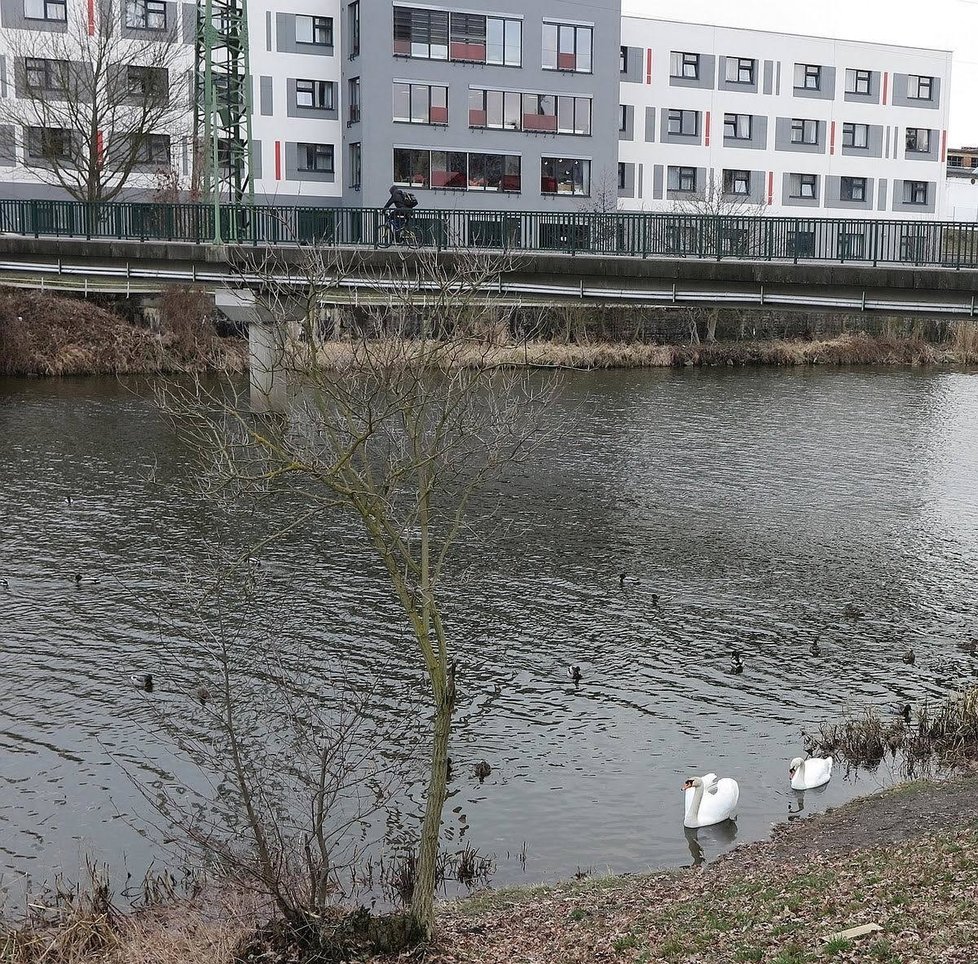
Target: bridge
(839, 264)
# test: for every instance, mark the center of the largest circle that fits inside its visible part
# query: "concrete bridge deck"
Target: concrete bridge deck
(528, 277)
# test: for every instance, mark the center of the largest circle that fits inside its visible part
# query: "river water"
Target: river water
(755, 504)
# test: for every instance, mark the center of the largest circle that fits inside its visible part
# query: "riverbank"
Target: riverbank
(905, 860)
(852, 348)
(47, 335)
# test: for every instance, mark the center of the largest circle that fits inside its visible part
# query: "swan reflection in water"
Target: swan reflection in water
(713, 840)
(799, 800)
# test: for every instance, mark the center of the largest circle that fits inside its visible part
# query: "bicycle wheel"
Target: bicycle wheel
(410, 238)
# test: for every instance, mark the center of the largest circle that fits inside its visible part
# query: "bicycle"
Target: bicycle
(397, 229)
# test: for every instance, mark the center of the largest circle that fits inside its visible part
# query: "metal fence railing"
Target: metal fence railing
(842, 240)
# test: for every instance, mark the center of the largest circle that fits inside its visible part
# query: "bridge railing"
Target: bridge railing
(664, 235)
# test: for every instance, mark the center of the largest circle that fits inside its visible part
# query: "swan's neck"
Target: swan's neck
(694, 807)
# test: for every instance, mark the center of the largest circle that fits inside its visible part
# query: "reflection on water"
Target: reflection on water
(706, 843)
(748, 508)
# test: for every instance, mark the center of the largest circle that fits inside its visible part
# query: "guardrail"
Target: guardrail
(638, 235)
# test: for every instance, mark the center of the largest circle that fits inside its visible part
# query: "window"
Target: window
(45, 10)
(353, 19)
(804, 186)
(565, 175)
(804, 131)
(48, 143)
(356, 165)
(146, 14)
(682, 179)
(457, 170)
(684, 65)
(315, 94)
(504, 41)
(855, 135)
(738, 126)
(41, 74)
(148, 82)
(353, 100)
(914, 192)
(853, 189)
(314, 30)
(808, 77)
(567, 47)
(315, 157)
(918, 140)
(684, 123)
(438, 35)
(420, 103)
(736, 182)
(574, 115)
(954, 161)
(496, 109)
(467, 37)
(859, 81)
(621, 176)
(622, 119)
(153, 149)
(740, 70)
(920, 87)
(623, 60)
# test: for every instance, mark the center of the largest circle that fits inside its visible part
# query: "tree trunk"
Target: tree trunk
(423, 897)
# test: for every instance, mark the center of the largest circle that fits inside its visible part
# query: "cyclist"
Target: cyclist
(398, 218)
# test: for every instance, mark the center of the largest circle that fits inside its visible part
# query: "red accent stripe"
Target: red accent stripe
(91, 18)
(886, 78)
(99, 149)
(943, 146)
(832, 139)
(770, 187)
(278, 160)
(707, 141)
(648, 66)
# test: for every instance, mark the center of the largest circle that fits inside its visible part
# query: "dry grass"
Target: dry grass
(945, 735)
(42, 334)
(847, 349)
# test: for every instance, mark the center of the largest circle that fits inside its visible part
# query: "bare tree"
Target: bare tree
(723, 218)
(400, 426)
(100, 101)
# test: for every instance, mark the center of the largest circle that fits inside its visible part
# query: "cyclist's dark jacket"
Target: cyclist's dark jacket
(399, 201)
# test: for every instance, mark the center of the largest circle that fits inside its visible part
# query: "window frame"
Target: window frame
(735, 136)
(306, 150)
(39, 133)
(353, 24)
(802, 126)
(682, 113)
(317, 23)
(859, 75)
(849, 129)
(805, 181)
(850, 186)
(327, 87)
(809, 72)
(919, 78)
(429, 98)
(355, 154)
(916, 138)
(621, 176)
(734, 176)
(145, 152)
(146, 15)
(578, 31)
(686, 179)
(911, 189)
(751, 67)
(687, 63)
(555, 162)
(46, 8)
(622, 59)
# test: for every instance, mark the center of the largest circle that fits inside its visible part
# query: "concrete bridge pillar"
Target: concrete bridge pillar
(266, 348)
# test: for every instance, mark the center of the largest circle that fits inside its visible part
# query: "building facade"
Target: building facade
(962, 184)
(565, 107)
(720, 119)
(106, 81)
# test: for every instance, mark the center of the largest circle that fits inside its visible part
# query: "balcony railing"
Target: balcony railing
(637, 235)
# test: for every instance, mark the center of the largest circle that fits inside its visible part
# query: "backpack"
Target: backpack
(408, 199)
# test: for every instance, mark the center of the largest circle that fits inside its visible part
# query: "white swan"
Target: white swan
(810, 773)
(710, 801)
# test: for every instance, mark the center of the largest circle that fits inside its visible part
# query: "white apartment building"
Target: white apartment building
(747, 121)
(295, 51)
